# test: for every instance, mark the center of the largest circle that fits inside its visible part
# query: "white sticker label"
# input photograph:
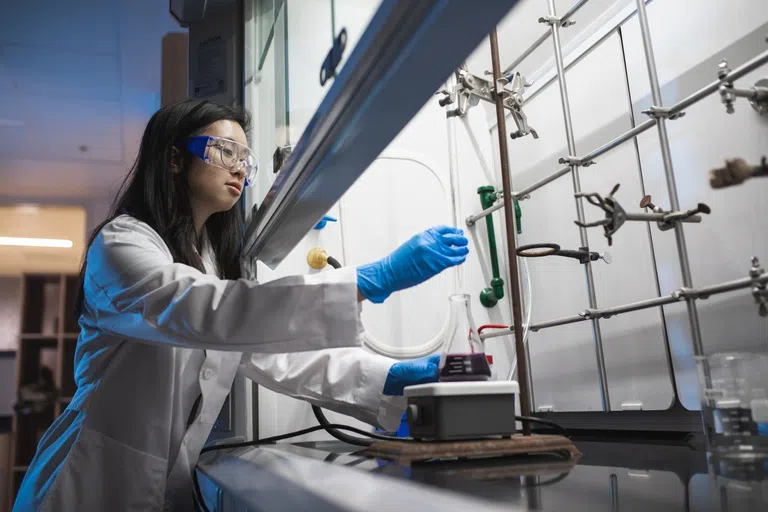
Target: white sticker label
(759, 410)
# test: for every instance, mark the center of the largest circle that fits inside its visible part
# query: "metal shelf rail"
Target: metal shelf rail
(658, 117)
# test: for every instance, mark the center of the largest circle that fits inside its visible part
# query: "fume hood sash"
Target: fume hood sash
(405, 54)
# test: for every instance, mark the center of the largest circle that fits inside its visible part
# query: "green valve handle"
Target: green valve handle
(518, 217)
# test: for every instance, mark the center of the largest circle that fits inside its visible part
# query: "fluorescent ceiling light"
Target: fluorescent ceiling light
(35, 242)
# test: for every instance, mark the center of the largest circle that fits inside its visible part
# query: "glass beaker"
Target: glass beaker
(734, 403)
(463, 357)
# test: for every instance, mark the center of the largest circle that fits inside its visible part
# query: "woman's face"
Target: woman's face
(214, 189)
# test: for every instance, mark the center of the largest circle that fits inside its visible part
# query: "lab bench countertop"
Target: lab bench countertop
(637, 474)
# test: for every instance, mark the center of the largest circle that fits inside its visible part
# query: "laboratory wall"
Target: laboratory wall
(430, 174)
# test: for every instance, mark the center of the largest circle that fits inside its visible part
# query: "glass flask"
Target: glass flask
(463, 357)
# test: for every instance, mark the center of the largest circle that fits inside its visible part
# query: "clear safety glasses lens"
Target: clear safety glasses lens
(226, 154)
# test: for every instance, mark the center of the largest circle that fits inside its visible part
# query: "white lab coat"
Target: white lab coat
(157, 334)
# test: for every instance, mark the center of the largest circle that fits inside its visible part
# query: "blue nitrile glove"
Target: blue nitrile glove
(325, 220)
(409, 373)
(420, 258)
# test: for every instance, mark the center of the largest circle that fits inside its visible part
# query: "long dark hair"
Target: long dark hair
(153, 194)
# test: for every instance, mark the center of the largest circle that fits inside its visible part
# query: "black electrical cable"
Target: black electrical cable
(318, 412)
(341, 436)
(551, 481)
(541, 421)
(334, 262)
(309, 430)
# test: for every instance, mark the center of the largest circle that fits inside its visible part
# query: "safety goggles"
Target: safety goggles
(225, 154)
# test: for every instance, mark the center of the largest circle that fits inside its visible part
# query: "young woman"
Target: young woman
(167, 321)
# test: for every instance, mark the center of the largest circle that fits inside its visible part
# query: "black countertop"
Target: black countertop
(636, 474)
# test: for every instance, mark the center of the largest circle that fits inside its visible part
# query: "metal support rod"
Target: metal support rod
(497, 334)
(661, 124)
(618, 141)
(509, 219)
(677, 296)
(705, 91)
(573, 10)
(750, 94)
(599, 355)
(472, 219)
(548, 179)
(659, 217)
(679, 107)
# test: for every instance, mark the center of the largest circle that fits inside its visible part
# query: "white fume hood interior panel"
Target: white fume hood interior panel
(648, 354)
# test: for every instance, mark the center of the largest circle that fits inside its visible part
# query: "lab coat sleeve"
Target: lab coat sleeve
(346, 380)
(134, 289)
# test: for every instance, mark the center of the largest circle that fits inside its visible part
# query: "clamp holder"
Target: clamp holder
(616, 216)
(511, 88)
(760, 289)
(556, 20)
(470, 89)
(757, 95)
(662, 113)
(572, 160)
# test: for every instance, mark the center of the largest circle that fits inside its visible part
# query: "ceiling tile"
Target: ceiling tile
(100, 117)
(89, 26)
(6, 83)
(59, 179)
(60, 145)
(63, 74)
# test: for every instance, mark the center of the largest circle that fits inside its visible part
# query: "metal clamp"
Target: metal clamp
(736, 171)
(757, 95)
(662, 113)
(556, 20)
(666, 222)
(572, 160)
(511, 88)
(614, 213)
(759, 290)
(470, 89)
(616, 216)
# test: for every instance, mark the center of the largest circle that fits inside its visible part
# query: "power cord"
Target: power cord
(547, 423)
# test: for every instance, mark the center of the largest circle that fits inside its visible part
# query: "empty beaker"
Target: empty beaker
(734, 403)
(463, 355)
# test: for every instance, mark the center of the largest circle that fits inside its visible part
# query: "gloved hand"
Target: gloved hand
(420, 258)
(408, 373)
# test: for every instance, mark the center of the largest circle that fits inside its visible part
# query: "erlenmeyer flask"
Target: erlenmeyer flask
(463, 357)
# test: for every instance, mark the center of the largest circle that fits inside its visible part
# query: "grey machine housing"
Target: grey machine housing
(445, 411)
